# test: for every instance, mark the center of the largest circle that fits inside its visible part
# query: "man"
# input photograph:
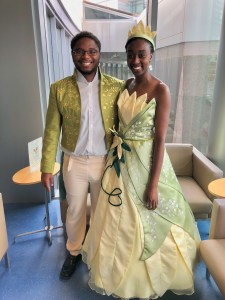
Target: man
(83, 106)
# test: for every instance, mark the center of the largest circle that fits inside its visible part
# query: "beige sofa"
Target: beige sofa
(213, 249)
(3, 235)
(194, 172)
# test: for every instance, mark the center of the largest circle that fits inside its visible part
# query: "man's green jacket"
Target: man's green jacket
(64, 115)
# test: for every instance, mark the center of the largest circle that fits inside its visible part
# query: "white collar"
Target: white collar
(81, 78)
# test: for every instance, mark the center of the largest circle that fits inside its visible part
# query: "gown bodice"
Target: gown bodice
(136, 116)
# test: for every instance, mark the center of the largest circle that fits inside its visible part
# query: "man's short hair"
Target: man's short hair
(85, 34)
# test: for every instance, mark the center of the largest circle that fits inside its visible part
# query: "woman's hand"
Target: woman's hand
(152, 198)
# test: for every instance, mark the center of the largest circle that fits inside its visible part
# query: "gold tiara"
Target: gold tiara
(141, 31)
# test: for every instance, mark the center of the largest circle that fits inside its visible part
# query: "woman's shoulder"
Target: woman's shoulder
(162, 93)
(128, 82)
(160, 86)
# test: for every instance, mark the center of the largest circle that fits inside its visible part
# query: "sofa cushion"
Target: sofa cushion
(181, 158)
(197, 199)
(212, 252)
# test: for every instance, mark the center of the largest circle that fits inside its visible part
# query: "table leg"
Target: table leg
(48, 228)
(7, 260)
(207, 273)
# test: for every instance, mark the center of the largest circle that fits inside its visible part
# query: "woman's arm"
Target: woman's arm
(161, 123)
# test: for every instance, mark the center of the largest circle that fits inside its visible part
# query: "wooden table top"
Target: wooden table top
(25, 176)
(217, 187)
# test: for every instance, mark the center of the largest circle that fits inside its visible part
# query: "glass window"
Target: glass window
(96, 14)
(188, 68)
(58, 44)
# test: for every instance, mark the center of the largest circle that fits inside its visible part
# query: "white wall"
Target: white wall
(112, 34)
(20, 113)
(107, 3)
(75, 10)
(178, 21)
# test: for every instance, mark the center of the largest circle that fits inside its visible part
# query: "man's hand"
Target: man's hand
(47, 180)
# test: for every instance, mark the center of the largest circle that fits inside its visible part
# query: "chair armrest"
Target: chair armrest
(204, 171)
(217, 224)
(3, 231)
(181, 158)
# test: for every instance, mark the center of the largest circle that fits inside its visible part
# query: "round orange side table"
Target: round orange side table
(217, 187)
(27, 177)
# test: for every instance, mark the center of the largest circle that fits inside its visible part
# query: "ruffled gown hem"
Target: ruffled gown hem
(101, 291)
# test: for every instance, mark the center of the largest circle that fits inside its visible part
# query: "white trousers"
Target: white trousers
(80, 174)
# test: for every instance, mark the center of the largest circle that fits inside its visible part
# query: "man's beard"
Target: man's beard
(92, 71)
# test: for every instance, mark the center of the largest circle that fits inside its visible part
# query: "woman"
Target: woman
(143, 239)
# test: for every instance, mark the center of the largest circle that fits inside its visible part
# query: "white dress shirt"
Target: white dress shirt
(91, 139)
